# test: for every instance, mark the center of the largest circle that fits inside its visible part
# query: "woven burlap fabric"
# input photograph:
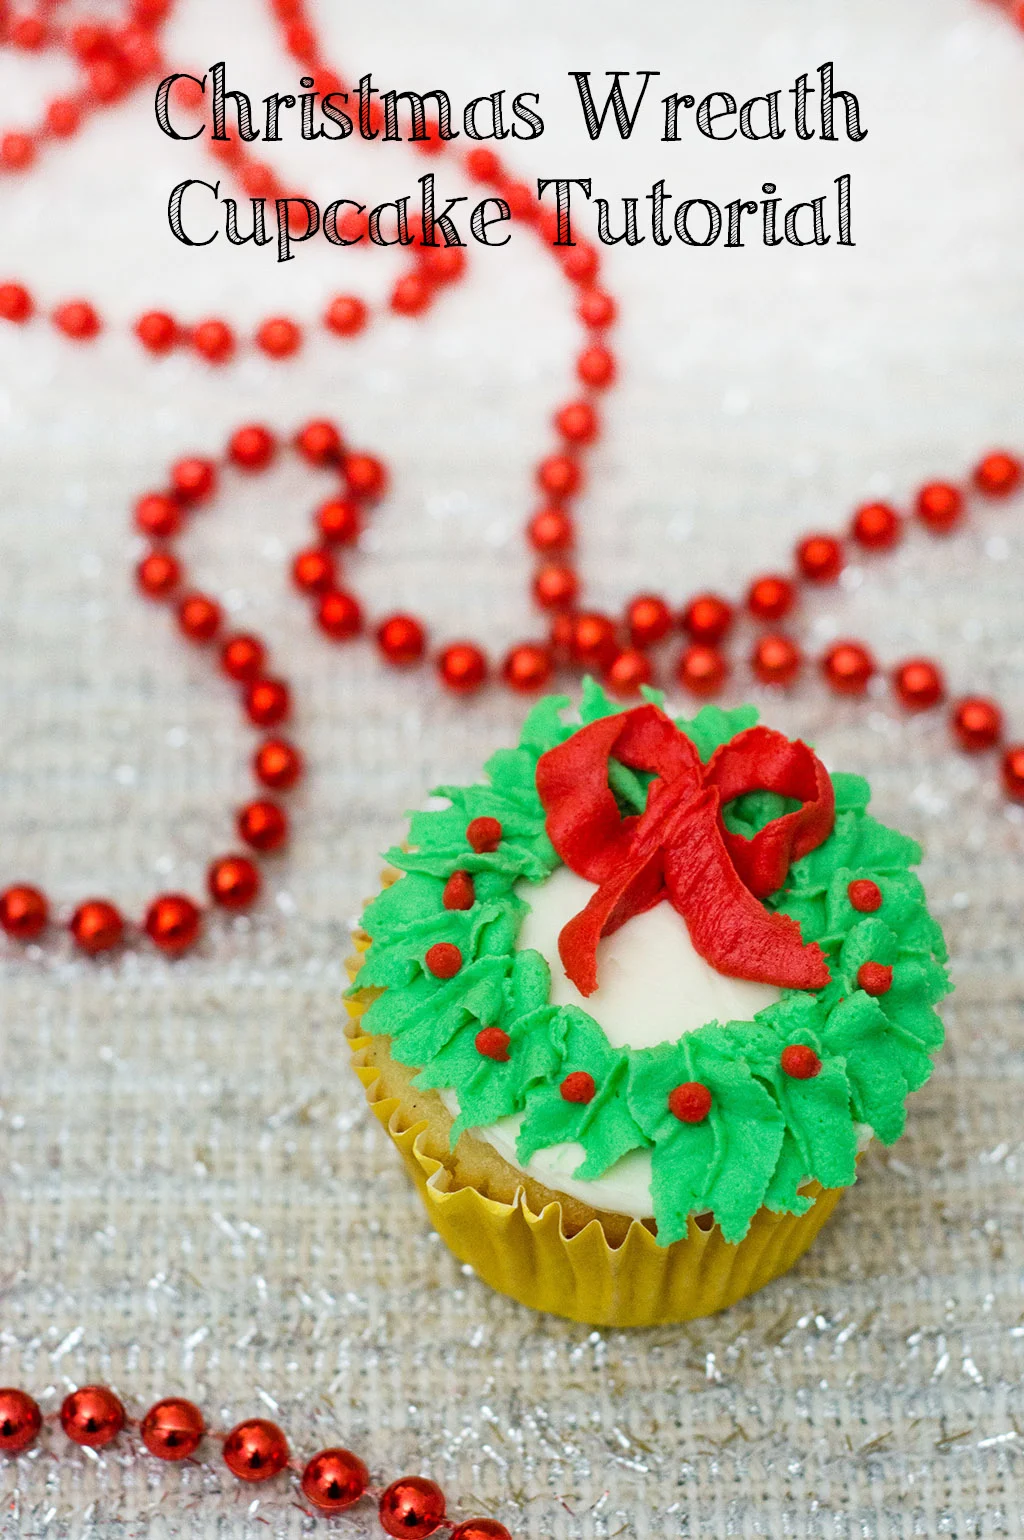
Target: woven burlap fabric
(195, 1198)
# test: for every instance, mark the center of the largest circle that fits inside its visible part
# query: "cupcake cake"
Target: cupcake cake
(633, 1006)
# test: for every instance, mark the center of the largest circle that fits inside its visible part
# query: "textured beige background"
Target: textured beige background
(194, 1197)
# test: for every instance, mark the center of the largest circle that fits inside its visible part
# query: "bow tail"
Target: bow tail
(728, 926)
(636, 887)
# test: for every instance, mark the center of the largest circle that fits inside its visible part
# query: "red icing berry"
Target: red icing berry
(493, 1043)
(800, 1062)
(484, 834)
(864, 895)
(459, 891)
(443, 960)
(578, 1087)
(690, 1103)
(875, 978)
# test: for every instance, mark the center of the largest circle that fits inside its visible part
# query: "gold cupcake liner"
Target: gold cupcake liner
(527, 1256)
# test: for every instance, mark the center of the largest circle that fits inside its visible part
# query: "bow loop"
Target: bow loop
(679, 849)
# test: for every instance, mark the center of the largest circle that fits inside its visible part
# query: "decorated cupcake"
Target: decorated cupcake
(632, 1007)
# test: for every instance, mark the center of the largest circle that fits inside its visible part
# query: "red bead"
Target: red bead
(411, 294)
(267, 702)
(770, 597)
(24, 912)
(214, 340)
(243, 656)
(596, 309)
(577, 423)
(580, 263)
(800, 1062)
(256, 1450)
(339, 615)
(876, 527)
(918, 684)
(998, 474)
(820, 558)
(527, 667)
(345, 315)
(559, 476)
(158, 574)
(28, 32)
(940, 506)
(594, 640)
(648, 619)
(320, 443)
(263, 825)
(1013, 772)
(173, 1429)
(561, 634)
(313, 571)
(443, 960)
(193, 480)
(20, 1421)
(233, 882)
(63, 118)
(492, 1043)
(156, 331)
(459, 891)
(555, 587)
(412, 1508)
(252, 448)
(445, 265)
(865, 896)
(334, 1479)
(96, 926)
(17, 151)
(483, 165)
(481, 1529)
(279, 337)
(701, 669)
(977, 723)
(366, 476)
(848, 667)
(77, 319)
(596, 367)
(401, 639)
(158, 515)
(106, 81)
(578, 1087)
(690, 1103)
(874, 978)
(277, 764)
(199, 617)
(173, 923)
(339, 521)
(707, 618)
(484, 834)
(92, 1416)
(462, 668)
(15, 302)
(776, 659)
(626, 672)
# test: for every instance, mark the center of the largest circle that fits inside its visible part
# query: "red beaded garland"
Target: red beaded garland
(157, 331)
(334, 1479)
(918, 683)
(252, 448)
(443, 960)
(242, 657)
(876, 527)
(77, 319)
(339, 521)
(628, 671)
(313, 571)
(555, 587)
(702, 669)
(263, 825)
(215, 340)
(279, 337)
(267, 701)
(158, 574)
(256, 1450)
(20, 1421)
(277, 764)
(194, 479)
(864, 895)
(411, 1508)
(776, 659)
(462, 668)
(551, 530)
(820, 558)
(800, 1062)
(977, 724)
(594, 639)
(578, 1087)
(339, 615)
(1012, 771)
(199, 617)
(528, 667)
(559, 476)
(319, 442)
(173, 1429)
(707, 618)
(401, 640)
(459, 891)
(92, 1416)
(691, 1102)
(15, 302)
(481, 1529)
(940, 507)
(24, 912)
(173, 923)
(484, 834)
(578, 422)
(158, 516)
(848, 667)
(365, 476)
(345, 315)
(96, 926)
(648, 620)
(998, 474)
(596, 367)
(493, 1043)
(770, 597)
(233, 882)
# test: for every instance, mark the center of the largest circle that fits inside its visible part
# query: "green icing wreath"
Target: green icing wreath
(767, 1133)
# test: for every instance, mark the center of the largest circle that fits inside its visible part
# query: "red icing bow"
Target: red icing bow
(680, 849)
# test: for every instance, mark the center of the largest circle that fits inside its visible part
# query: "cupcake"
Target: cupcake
(633, 1006)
